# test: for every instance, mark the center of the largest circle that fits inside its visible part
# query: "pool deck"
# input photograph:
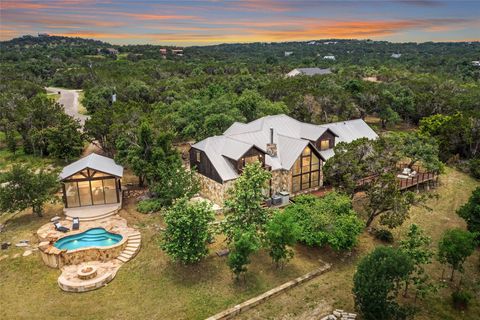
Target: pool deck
(90, 213)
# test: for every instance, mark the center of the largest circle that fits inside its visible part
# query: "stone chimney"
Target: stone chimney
(271, 147)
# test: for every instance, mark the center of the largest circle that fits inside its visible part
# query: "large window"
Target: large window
(90, 187)
(306, 171)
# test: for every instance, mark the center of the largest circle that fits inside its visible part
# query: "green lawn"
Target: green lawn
(151, 286)
(334, 288)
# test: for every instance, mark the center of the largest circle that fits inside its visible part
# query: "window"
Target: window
(197, 156)
(306, 171)
(251, 159)
(324, 144)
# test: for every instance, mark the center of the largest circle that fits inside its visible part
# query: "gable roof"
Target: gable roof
(93, 161)
(291, 137)
(313, 71)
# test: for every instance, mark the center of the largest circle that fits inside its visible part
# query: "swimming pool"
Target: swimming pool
(96, 237)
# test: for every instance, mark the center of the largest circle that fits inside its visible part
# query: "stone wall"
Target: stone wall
(281, 181)
(212, 190)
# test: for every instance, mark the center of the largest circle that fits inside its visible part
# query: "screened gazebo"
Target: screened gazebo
(91, 181)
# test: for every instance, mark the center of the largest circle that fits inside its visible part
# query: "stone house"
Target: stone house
(293, 151)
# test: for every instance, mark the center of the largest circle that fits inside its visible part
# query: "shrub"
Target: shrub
(149, 206)
(474, 166)
(461, 299)
(383, 235)
(330, 220)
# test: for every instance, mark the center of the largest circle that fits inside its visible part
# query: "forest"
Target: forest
(202, 92)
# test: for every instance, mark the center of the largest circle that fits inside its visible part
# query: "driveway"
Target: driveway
(69, 100)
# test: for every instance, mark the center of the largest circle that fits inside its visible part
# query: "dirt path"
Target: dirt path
(69, 100)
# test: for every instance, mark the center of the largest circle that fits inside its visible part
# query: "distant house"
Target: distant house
(288, 53)
(43, 35)
(293, 151)
(330, 42)
(329, 58)
(396, 55)
(308, 72)
(163, 51)
(476, 63)
(312, 43)
(112, 51)
(177, 52)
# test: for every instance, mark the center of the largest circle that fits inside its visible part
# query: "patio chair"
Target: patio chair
(76, 223)
(406, 171)
(60, 228)
(413, 174)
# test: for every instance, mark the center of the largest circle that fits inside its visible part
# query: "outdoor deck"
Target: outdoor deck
(405, 181)
(95, 212)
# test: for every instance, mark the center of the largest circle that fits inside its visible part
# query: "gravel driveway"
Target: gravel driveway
(69, 100)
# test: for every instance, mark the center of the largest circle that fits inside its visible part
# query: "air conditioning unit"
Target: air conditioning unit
(285, 197)
(276, 200)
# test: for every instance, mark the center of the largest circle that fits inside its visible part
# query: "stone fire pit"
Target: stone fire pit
(87, 272)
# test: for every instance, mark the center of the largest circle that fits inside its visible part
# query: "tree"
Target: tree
(470, 212)
(387, 201)
(421, 149)
(21, 188)
(455, 246)
(281, 232)
(172, 181)
(330, 220)
(416, 246)
(243, 206)
(359, 159)
(351, 162)
(188, 233)
(64, 141)
(376, 283)
(245, 242)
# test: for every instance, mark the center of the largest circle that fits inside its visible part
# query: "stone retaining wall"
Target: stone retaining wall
(226, 314)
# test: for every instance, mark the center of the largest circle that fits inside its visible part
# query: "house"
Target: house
(92, 181)
(476, 63)
(293, 151)
(288, 53)
(396, 55)
(112, 51)
(329, 58)
(308, 72)
(177, 52)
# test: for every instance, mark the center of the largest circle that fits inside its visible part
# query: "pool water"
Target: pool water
(96, 237)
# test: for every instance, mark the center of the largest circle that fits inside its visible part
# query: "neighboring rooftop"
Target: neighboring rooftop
(93, 161)
(290, 135)
(308, 72)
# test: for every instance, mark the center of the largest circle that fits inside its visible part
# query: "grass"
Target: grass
(53, 96)
(151, 286)
(81, 108)
(334, 288)
(20, 157)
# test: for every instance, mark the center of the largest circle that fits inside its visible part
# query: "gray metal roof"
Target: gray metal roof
(93, 161)
(290, 135)
(313, 71)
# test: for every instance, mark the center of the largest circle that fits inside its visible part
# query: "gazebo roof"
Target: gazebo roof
(93, 161)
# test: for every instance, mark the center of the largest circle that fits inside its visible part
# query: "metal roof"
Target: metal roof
(290, 135)
(313, 71)
(93, 161)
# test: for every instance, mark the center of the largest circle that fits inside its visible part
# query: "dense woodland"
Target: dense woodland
(431, 93)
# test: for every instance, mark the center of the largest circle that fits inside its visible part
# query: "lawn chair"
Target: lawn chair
(413, 174)
(76, 224)
(406, 171)
(60, 228)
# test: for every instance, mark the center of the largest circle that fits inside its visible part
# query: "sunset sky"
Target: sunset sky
(207, 22)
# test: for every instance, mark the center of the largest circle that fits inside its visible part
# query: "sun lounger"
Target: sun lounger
(406, 171)
(60, 228)
(76, 223)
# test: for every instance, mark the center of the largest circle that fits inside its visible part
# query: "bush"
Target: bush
(383, 235)
(149, 206)
(461, 299)
(330, 220)
(474, 166)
